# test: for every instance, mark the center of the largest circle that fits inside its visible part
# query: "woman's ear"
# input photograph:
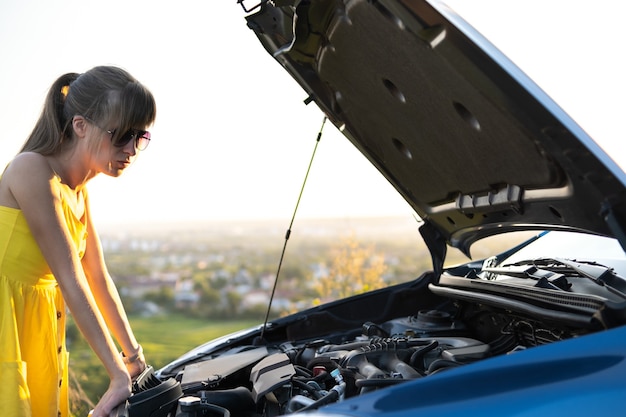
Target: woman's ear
(79, 124)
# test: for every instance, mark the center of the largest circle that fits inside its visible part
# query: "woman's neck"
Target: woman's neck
(70, 171)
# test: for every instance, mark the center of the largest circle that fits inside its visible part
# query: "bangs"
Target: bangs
(136, 107)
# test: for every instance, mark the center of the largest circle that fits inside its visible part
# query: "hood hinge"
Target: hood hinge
(436, 244)
(615, 221)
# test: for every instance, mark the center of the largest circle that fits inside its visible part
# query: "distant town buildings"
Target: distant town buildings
(207, 271)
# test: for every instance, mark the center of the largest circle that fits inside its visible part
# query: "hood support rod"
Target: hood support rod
(288, 234)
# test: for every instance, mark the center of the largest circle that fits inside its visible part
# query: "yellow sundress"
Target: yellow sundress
(33, 358)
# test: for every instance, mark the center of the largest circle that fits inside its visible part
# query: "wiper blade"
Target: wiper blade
(600, 274)
(552, 269)
(546, 278)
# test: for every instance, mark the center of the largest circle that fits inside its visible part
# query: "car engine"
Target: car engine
(268, 379)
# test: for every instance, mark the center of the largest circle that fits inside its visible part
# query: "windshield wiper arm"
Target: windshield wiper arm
(600, 274)
(554, 270)
(545, 278)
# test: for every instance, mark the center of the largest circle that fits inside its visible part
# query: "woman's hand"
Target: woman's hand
(119, 390)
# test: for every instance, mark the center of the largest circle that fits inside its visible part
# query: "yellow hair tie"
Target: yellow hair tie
(64, 90)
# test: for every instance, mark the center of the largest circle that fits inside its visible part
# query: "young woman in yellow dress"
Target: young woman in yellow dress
(50, 253)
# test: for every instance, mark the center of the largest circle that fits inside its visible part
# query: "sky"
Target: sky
(233, 137)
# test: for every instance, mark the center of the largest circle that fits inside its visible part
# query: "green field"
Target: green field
(163, 338)
(166, 338)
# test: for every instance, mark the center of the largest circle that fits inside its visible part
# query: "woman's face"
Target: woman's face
(113, 153)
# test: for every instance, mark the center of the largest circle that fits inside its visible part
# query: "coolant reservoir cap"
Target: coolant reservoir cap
(189, 401)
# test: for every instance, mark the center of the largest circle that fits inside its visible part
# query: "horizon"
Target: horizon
(390, 223)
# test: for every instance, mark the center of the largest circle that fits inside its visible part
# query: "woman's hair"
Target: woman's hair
(101, 95)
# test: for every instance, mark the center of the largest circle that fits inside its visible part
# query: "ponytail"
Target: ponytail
(51, 130)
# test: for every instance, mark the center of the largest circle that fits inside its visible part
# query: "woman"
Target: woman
(50, 253)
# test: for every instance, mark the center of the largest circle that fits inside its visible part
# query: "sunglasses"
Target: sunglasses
(141, 138)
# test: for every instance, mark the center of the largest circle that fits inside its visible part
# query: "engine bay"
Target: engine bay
(279, 374)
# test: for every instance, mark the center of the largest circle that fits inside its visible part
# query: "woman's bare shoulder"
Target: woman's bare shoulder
(28, 165)
(27, 173)
(29, 159)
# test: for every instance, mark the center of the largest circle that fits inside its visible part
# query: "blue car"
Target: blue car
(477, 150)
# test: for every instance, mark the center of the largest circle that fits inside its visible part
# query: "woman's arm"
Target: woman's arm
(36, 192)
(108, 299)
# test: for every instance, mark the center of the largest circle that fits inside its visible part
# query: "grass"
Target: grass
(164, 338)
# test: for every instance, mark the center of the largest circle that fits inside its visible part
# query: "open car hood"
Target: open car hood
(471, 143)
